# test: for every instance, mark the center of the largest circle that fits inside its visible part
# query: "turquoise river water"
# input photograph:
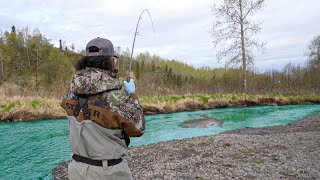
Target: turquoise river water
(29, 150)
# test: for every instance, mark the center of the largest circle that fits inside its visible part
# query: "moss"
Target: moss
(257, 161)
(236, 156)
(247, 152)
(199, 177)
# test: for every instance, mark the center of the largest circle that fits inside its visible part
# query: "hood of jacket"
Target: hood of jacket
(93, 80)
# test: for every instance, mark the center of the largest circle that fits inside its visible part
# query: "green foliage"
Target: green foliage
(9, 106)
(175, 98)
(234, 97)
(35, 103)
(204, 99)
(29, 60)
(138, 70)
(32, 62)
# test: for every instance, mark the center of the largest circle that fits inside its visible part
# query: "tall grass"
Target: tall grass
(41, 106)
(20, 108)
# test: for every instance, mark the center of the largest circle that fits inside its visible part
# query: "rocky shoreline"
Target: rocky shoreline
(280, 152)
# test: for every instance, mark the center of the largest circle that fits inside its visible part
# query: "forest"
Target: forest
(30, 65)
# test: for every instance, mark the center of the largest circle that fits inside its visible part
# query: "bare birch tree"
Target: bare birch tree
(314, 51)
(1, 59)
(233, 33)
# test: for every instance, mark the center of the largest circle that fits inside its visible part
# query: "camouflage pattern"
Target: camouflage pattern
(105, 91)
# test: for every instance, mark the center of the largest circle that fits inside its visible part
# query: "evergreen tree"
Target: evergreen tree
(142, 67)
(138, 71)
(153, 69)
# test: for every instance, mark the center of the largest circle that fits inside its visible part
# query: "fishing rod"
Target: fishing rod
(134, 40)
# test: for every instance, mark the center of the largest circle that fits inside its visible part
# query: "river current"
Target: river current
(29, 150)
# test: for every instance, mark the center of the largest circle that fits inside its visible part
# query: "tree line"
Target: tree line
(29, 61)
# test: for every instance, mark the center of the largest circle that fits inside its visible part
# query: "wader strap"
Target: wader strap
(103, 117)
(127, 139)
(82, 106)
(93, 162)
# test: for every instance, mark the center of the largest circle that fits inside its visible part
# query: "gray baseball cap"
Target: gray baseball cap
(100, 47)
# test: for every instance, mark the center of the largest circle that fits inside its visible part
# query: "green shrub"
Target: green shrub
(9, 106)
(234, 97)
(204, 99)
(175, 98)
(35, 103)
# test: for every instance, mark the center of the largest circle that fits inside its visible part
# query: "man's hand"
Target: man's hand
(129, 87)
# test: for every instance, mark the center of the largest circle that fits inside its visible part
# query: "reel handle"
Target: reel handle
(128, 79)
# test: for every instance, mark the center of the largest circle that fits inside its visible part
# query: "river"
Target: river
(29, 150)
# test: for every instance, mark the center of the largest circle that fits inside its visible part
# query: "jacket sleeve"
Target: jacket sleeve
(131, 110)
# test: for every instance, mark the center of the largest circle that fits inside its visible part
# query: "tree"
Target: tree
(118, 50)
(138, 72)
(60, 44)
(13, 29)
(313, 71)
(153, 68)
(72, 47)
(2, 77)
(233, 30)
(314, 51)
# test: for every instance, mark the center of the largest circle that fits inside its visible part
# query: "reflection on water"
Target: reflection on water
(29, 150)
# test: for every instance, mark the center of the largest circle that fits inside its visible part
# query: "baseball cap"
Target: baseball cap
(100, 47)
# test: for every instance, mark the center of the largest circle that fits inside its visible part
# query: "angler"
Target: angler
(101, 116)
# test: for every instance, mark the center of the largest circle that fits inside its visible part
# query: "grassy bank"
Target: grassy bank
(165, 104)
(18, 108)
(30, 108)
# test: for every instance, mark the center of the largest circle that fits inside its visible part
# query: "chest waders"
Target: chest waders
(82, 106)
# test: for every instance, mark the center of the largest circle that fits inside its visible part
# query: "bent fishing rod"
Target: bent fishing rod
(134, 40)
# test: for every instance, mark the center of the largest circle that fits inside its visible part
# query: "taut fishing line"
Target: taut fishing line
(134, 39)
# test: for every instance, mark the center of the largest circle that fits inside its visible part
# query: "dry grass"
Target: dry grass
(29, 90)
(17, 108)
(26, 104)
(26, 108)
(164, 104)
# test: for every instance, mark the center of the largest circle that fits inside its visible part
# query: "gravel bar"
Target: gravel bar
(279, 152)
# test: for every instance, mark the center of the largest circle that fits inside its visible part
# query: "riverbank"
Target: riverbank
(280, 152)
(31, 108)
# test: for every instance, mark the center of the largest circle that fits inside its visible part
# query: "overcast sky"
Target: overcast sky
(182, 26)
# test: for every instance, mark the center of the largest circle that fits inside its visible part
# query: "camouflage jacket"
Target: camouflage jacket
(109, 106)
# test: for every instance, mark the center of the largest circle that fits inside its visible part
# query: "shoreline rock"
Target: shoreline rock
(279, 152)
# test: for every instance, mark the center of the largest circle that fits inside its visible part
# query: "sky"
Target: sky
(181, 27)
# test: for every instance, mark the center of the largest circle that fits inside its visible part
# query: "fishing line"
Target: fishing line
(134, 39)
